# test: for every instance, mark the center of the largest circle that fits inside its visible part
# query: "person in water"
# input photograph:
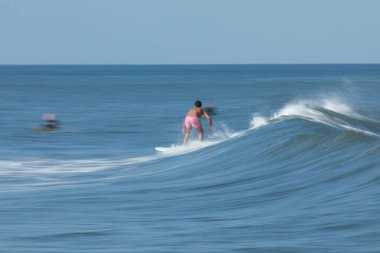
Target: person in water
(49, 123)
(193, 120)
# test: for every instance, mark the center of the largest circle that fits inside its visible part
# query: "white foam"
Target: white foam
(311, 110)
(257, 122)
(191, 146)
(336, 105)
(53, 168)
(299, 108)
(218, 136)
(359, 130)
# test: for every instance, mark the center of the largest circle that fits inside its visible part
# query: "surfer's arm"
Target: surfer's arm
(209, 120)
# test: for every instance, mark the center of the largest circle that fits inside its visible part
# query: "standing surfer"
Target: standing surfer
(193, 120)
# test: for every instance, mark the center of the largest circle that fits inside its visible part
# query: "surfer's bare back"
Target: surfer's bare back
(193, 120)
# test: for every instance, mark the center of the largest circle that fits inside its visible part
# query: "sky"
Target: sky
(189, 31)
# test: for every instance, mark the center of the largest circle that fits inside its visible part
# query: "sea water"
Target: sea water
(292, 164)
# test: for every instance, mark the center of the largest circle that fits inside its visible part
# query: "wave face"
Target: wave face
(291, 166)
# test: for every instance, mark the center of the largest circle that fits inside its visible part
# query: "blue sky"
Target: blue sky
(189, 32)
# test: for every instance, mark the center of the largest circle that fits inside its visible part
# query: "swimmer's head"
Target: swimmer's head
(198, 103)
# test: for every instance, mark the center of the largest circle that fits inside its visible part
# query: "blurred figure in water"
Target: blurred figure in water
(193, 120)
(49, 122)
(210, 109)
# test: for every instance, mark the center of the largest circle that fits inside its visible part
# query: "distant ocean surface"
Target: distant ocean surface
(293, 163)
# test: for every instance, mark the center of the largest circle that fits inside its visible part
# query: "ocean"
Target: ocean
(292, 164)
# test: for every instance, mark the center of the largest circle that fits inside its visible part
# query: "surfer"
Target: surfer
(193, 120)
(50, 123)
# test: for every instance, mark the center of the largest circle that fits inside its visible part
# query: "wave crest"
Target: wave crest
(331, 111)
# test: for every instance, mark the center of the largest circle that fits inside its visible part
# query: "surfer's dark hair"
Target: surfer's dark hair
(198, 103)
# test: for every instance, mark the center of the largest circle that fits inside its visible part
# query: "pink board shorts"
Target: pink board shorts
(192, 121)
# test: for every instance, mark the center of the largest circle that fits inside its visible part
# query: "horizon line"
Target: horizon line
(177, 64)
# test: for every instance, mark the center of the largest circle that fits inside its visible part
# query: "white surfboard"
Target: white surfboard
(161, 149)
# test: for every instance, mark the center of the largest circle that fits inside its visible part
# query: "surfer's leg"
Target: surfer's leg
(187, 133)
(200, 133)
